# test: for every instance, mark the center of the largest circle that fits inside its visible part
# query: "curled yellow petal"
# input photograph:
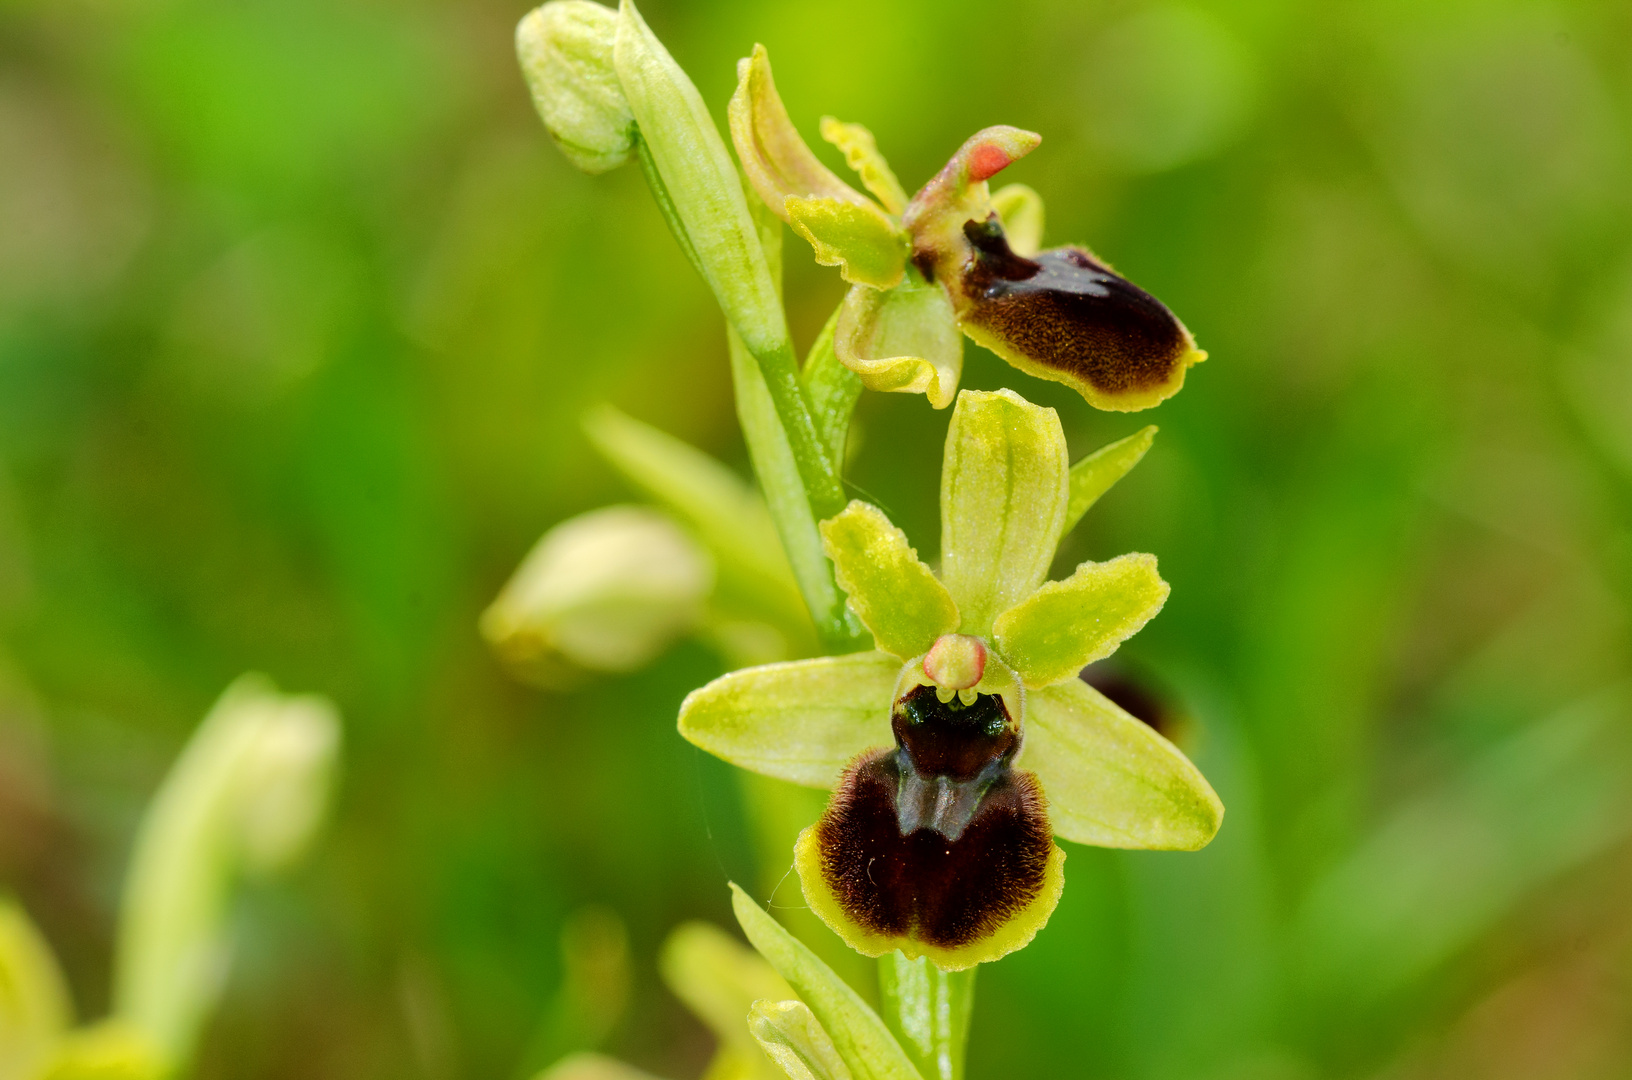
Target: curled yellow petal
(902, 340)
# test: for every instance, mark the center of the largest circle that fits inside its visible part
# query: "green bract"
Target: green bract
(986, 638)
(1062, 315)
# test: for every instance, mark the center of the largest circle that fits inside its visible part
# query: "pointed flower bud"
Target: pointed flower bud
(605, 591)
(565, 49)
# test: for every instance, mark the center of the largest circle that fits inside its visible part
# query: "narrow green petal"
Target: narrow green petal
(891, 591)
(1064, 626)
(790, 1036)
(1021, 210)
(904, 340)
(1003, 500)
(1094, 475)
(718, 978)
(1111, 781)
(861, 154)
(858, 1034)
(775, 159)
(801, 721)
(867, 247)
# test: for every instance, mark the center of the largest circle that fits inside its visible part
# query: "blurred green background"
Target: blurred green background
(299, 308)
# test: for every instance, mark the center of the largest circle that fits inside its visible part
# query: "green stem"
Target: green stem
(928, 1010)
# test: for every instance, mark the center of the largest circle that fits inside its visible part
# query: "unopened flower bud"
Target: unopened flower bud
(565, 48)
(605, 591)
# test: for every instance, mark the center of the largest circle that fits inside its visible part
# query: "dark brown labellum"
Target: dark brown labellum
(1069, 313)
(938, 839)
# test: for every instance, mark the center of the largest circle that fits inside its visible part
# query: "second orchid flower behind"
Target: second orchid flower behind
(955, 257)
(961, 745)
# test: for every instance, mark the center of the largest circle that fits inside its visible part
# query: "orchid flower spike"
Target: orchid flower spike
(960, 746)
(955, 257)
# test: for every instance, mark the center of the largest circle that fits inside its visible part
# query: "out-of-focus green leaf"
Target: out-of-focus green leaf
(719, 979)
(111, 1050)
(246, 796)
(35, 1010)
(593, 1067)
(860, 1037)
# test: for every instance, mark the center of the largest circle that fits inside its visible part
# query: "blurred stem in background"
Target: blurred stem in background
(245, 798)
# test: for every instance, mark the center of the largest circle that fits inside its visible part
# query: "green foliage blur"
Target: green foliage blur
(299, 309)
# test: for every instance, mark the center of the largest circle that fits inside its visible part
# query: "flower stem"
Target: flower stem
(928, 1010)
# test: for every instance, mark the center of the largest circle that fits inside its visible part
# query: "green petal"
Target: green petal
(776, 160)
(790, 1036)
(1066, 625)
(565, 50)
(718, 978)
(1003, 500)
(904, 340)
(801, 721)
(894, 594)
(1094, 475)
(1111, 781)
(868, 247)
(858, 1034)
(1021, 210)
(861, 154)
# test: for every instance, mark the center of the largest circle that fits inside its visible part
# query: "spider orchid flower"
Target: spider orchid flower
(965, 741)
(955, 257)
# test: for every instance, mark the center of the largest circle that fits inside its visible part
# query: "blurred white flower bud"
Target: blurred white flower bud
(605, 591)
(246, 796)
(565, 49)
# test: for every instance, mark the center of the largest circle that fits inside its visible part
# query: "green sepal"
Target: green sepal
(891, 591)
(1003, 500)
(775, 159)
(790, 1035)
(1021, 211)
(833, 390)
(1111, 780)
(903, 340)
(1095, 474)
(565, 50)
(858, 1034)
(803, 721)
(867, 247)
(860, 151)
(1064, 626)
